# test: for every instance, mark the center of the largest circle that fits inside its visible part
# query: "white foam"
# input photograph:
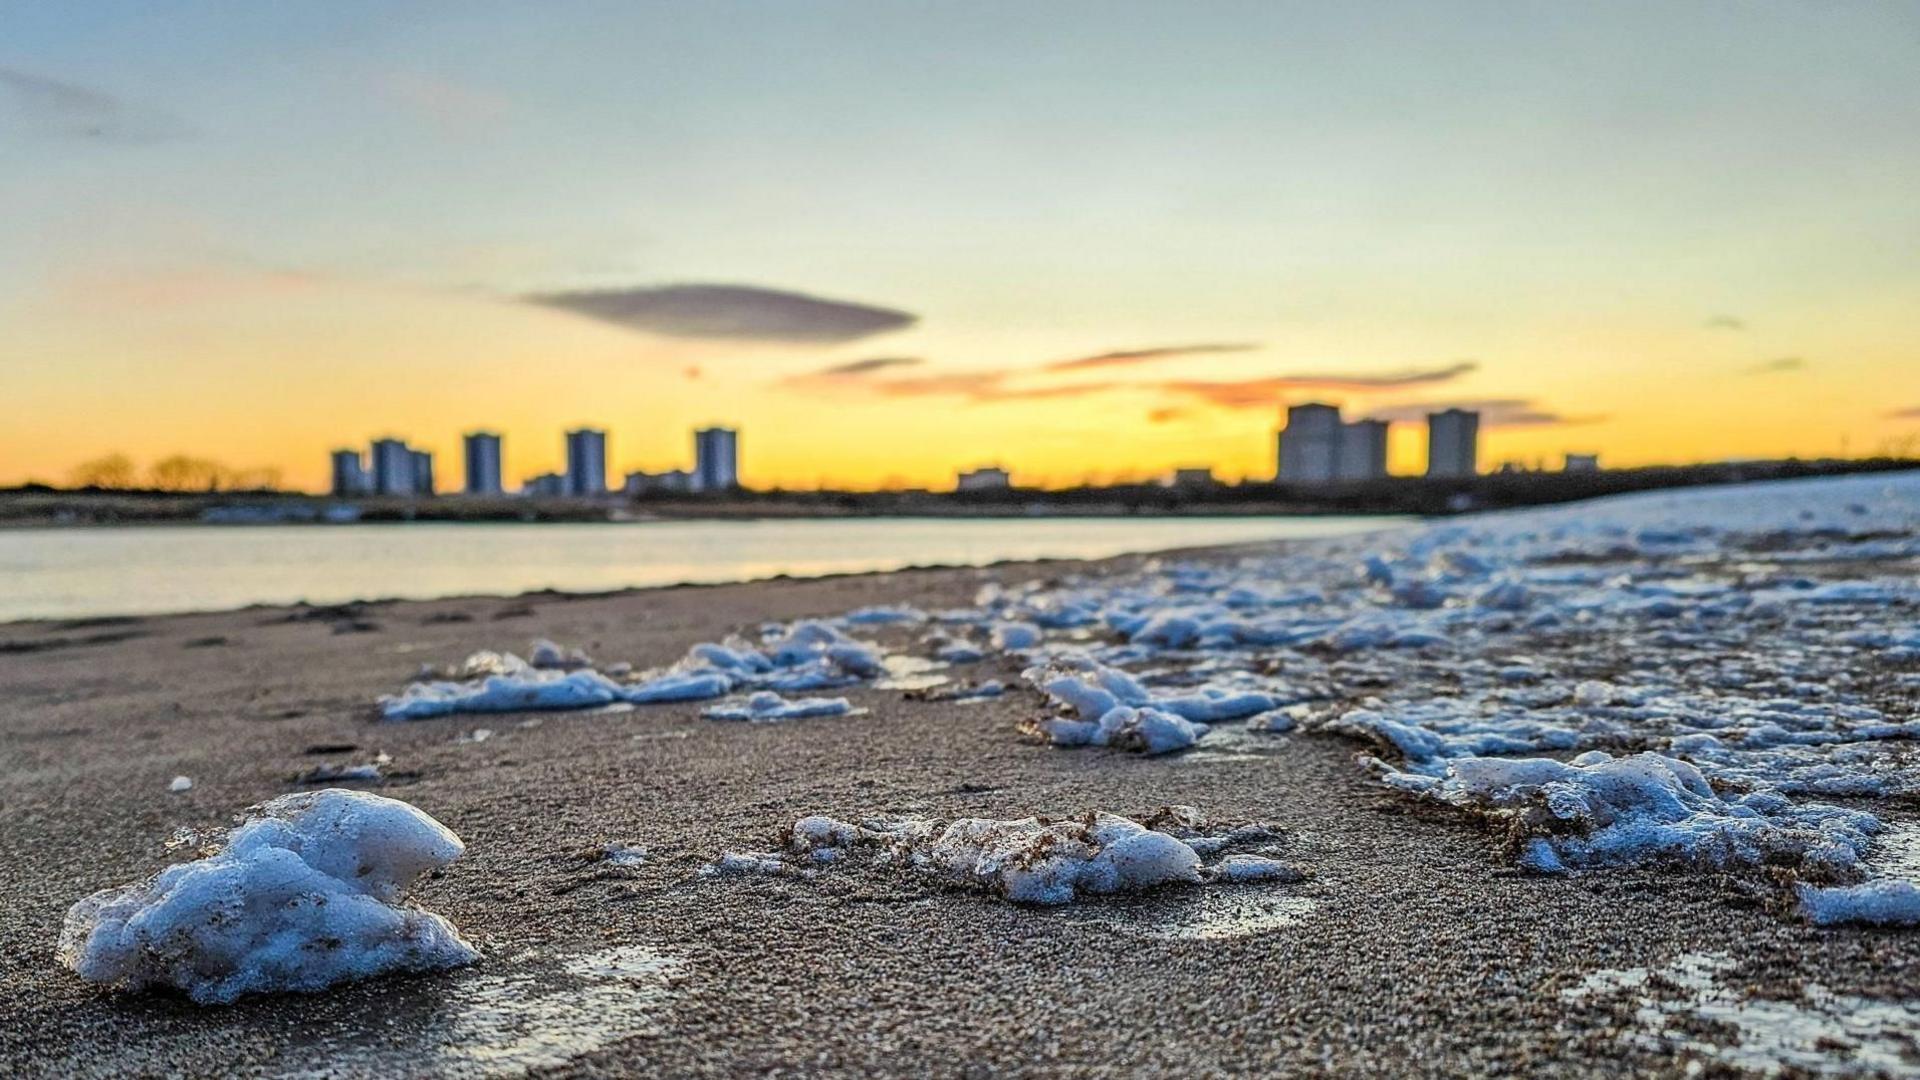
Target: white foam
(305, 894)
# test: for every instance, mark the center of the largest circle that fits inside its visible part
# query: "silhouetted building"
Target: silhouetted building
(1453, 443)
(1582, 463)
(350, 473)
(716, 459)
(1194, 477)
(987, 479)
(483, 463)
(393, 464)
(587, 462)
(546, 486)
(422, 472)
(1309, 446)
(1363, 451)
(671, 482)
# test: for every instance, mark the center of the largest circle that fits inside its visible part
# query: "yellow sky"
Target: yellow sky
(1659, 232)
(265, 369)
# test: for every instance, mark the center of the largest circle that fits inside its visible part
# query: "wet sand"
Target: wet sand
(1413, 949)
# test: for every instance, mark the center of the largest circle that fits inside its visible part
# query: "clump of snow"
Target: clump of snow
(547, 655)
(525, 690)
(1014, 636)
(884, 614)
(1885, 902)
(625, 856)
(766, 706)
(1031, 860)
(807, 655)
(305, 894)
(1600, 810)
(333, 774)
(1123, 727)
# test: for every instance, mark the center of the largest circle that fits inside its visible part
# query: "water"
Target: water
(143, 570)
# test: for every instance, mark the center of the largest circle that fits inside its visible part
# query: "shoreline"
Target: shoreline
(1413, 946)
(592, 568)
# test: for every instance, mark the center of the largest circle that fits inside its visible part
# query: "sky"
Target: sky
(891, 239)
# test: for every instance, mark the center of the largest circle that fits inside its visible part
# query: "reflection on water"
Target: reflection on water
(532, 1015)
(906, 672)
(67, 573)
(1696, 1005)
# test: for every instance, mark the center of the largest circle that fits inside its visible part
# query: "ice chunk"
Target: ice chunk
(680, 686)
(1600, 810)
(548, 656)
(1144, 731)
(765, 706)
(1243, 868)
(1885, 902)
(1014, 636)
(501, 693)
(305, 894)
(880, 615)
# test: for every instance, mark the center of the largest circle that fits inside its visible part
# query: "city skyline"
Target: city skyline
(1090, 242)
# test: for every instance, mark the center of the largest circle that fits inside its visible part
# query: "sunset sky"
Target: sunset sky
(890, 239)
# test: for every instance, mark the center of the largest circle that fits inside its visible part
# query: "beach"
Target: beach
(1414, 945)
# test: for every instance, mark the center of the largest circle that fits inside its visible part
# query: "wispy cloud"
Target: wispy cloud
(981, 386)
(1912, 413)
(857, 368)
(38, 105)
(854, 375)
(1726, 322)
(729, 312)
(1122, 357)
(1494, 412)
(1270, 390)
(1775, 367)
(1167, 415)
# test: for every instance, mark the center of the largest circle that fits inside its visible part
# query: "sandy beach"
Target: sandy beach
(1413, 948)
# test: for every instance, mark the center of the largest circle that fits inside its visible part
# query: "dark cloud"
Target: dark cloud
(1726, 322)
(42, 106)
(1142, 356)
(729, 312)
(1774, 367)
(1268, 391)
(1494, 412)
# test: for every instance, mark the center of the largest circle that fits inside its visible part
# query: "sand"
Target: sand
(1414, 949)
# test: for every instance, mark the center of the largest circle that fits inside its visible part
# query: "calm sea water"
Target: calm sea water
(70, 573)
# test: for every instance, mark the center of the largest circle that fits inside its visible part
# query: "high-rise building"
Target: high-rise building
(587, 462)
(1581, 463)
(393, 468)
(716, 459)
(1453, 438)
(483, 463)
(350, 473)
(1363, 451)
(422, 472)
(1309, 446)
